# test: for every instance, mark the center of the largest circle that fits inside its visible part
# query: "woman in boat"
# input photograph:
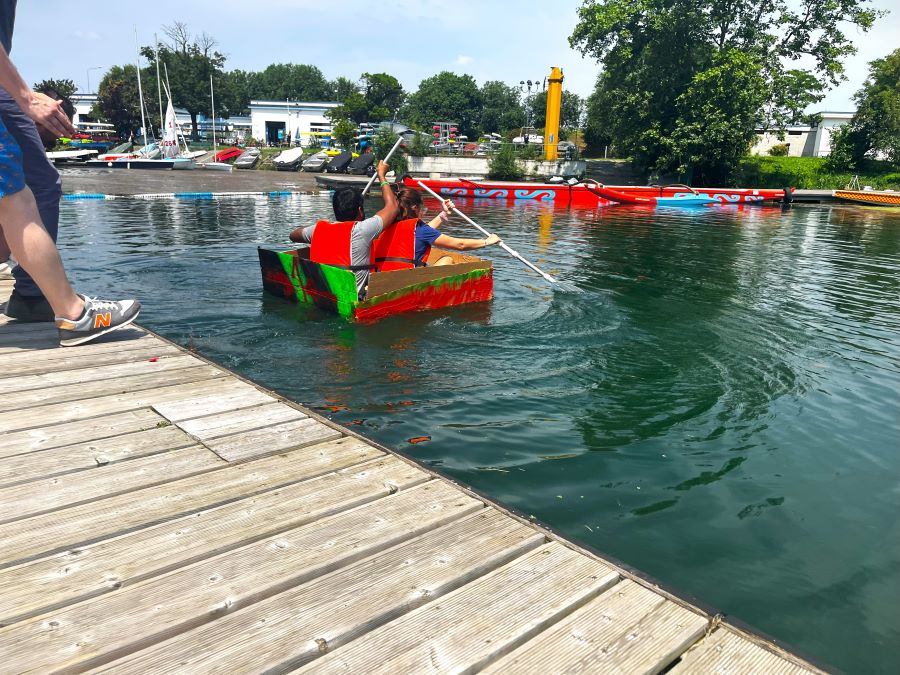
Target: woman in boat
(429, 234)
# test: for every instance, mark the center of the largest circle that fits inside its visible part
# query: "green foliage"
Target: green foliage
(779, 150)
(812, 173)
(446, 97)
(571, 110)
(342, 87)
(343, 132)
(117, 99)
(379, 99)
(63, 88)
(383, 141)
(875, 128)
(291, 81)
(502, 165)
(420, 146)
(501, 107)
(529, 151)
(685, 82)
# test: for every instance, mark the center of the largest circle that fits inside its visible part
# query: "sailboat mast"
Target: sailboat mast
(162, 123)
(140, 91)
(212, 103)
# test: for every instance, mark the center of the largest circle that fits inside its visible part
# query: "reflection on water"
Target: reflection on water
(717, 408)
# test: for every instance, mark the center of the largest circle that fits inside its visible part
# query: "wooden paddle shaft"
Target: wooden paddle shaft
(487, 234)
(386, 158)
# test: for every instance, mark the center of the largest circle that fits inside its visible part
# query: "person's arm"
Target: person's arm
(444, 215)
(388, 213)
(41, 108)
(302, 235)
(457, 244)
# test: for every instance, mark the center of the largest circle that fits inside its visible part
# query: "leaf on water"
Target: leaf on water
(419, 439)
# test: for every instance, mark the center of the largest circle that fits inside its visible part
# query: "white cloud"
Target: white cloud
(463, 60)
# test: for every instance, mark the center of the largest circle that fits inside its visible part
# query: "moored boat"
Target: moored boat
(247, 159)
(579, 194)
(870, 197)
(292, 275)
(689, 197)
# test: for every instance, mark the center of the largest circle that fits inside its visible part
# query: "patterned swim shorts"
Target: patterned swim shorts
(12, 179)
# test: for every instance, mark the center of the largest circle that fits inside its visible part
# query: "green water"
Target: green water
(718, 408)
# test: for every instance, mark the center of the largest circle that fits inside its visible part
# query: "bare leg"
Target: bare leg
(443, 260)
(35, 251)
(4, 248)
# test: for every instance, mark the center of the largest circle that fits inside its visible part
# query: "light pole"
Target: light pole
(89, 77)
(528, 83)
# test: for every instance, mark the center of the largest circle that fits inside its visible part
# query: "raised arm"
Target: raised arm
(391, 207)
(41, 108)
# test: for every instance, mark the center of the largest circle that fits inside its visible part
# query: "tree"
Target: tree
(501, 107)
(875, 128)
(446, 97)
(117, 99)
(343, 132)
(342, 87)
(670, 64)
(571, 110)
(383, 93)
(294, 81)
(63, 88)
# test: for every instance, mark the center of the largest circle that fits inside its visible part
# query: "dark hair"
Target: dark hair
(347, 203)
(409, 199)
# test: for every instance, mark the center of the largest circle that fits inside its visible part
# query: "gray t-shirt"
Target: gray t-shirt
(7, 21)
(361, 237)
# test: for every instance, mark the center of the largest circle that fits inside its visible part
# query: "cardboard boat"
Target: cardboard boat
(292, 275)
(579, 194)
(870, 197)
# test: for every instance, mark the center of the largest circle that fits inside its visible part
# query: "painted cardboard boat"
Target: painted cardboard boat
(871, 197)
(292, 275)
(580, 194)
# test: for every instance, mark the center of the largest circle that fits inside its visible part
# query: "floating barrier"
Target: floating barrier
(78, 196)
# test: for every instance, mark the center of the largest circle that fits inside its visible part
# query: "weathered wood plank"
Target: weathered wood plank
(727, 653)
(44, 344)
(91, 373)
(104, 405)
(238, 421)
(628, 629)
(479, 622)
(9, 326)
(92, 454)
(201, 405)
(276, 438)
(81, 525)
(82, 391)
(71, 359)
(121, 340)
(301, 624)
(80, 431)
(49, 494)
(113, 625)
(63, 579)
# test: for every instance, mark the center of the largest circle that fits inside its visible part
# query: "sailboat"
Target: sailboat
(214, 166)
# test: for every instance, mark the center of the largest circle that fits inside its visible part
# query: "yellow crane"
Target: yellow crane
(554, 101)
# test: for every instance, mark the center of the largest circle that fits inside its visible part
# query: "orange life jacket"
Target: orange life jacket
(393, 249)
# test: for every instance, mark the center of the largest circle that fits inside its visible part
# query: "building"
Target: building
(804, 141)
(272, 121)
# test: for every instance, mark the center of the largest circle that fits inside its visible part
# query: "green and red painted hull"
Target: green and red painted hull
(291, 275)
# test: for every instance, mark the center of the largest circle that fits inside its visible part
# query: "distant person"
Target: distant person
(78, 317)
(428, 234)
(347, 243)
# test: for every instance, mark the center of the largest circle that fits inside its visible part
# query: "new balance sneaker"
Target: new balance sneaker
(100, 317)
(28, 309)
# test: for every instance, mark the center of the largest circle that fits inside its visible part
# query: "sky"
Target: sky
(410, 39)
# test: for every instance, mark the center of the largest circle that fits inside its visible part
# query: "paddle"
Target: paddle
(386, 158)
(506, 248)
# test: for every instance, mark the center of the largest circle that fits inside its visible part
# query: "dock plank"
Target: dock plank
(628, 629)
(237, 421)
(481, 621)
(272, 439)
(726, 653)
(81, 525)
(202, 405)
(79, 431)
(46, 345)
(302, 624)
(110, 626)
(46, 495)
(91, 454)
(65, 578)
(69, 359)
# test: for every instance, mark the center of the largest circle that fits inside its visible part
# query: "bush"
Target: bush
(529, 151)
(780, 150)
(420, 146)
(811, 173)
(384, 140)
(502, 165)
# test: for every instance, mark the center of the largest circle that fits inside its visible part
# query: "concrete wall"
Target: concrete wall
(800, 142)
(448, 166)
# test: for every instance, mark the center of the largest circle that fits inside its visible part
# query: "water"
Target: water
(718, 408)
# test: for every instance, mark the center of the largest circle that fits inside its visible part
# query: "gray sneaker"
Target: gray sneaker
(100, 317)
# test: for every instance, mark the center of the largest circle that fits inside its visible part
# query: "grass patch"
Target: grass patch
(811, 173)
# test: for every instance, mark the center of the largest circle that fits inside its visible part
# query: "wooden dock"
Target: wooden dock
(160, 514)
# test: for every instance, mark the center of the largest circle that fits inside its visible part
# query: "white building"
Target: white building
(272, 121)
(804, 141)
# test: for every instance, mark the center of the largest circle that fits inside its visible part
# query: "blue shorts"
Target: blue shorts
(12, 178)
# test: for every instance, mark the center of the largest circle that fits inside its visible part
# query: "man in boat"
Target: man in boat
(428, 234)
(329, 242)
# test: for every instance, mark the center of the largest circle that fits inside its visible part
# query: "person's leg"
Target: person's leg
(35, 251)
(27, 302)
